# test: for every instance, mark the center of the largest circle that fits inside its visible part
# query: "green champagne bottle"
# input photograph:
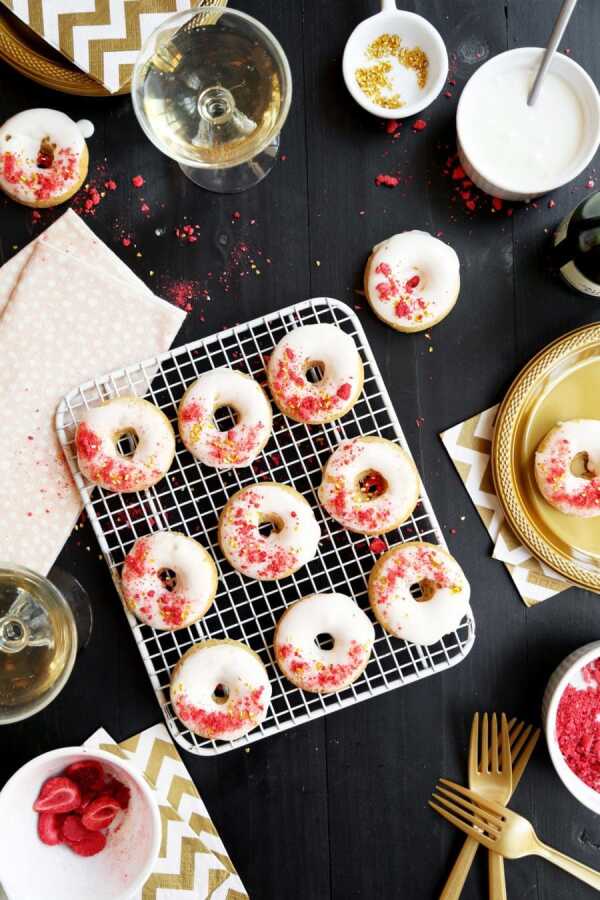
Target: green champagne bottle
(577, 247)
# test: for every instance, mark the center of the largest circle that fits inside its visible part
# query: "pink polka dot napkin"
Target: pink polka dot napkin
(69, 309)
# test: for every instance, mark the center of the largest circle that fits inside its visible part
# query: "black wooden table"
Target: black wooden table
(338, 808)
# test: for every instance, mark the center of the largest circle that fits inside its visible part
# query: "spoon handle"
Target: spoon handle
(388, 6)
(560, 25)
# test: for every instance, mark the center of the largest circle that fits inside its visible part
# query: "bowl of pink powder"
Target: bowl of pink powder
(571, 713)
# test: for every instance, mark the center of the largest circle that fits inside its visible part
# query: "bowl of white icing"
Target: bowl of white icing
(515, 151)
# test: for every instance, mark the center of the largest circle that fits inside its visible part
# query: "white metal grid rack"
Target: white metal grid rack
(191, 497)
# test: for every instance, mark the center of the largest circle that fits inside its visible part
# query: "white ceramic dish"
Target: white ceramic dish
(473, 100)
(554, 691)
(30, 870)
(415, 31)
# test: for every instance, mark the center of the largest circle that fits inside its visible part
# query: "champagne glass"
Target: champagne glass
(211, 89)
(42, 622)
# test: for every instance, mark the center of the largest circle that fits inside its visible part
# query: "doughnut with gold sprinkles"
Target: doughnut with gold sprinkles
(412, 280)
(220, 690)
(43, 157)
(567, 467)
(149, 590)
(334, 353)
(97, 444)
(445, 592)
(291, 543)
(312, 667)
(239, 445)
(370, 485)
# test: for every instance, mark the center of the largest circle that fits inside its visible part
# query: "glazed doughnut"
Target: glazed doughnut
(445, 592)
(300, 658)
(98, 434)
(570, 493)
(149, 597)
(238, 446)
(334, 352)
(292, 542)
(370, 485)
(412, 280)
(43, 157)
(220, 690)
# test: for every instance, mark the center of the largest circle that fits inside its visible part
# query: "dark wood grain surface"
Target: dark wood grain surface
(338, 808)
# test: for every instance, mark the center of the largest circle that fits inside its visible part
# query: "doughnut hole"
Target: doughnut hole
(45, 157)
(126, 442)
(580, 466)
(168, 578)
(221, 693)
(423, 591)
(314, 370)
(325, 641)
(269, 523)
(370, 485)
(225, 417)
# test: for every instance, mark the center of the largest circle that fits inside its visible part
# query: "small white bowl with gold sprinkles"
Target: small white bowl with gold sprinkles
(395, 63)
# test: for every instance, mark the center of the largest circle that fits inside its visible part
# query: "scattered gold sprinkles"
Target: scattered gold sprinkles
(374, 80)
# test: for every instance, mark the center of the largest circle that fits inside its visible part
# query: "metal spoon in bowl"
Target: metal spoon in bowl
(562, 20)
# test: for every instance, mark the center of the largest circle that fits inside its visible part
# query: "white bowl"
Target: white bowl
(483, 174)
(554, 691)
(31, 870)
(415, 31)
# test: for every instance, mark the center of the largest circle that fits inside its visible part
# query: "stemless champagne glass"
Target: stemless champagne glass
(41, 624)
(212, 88)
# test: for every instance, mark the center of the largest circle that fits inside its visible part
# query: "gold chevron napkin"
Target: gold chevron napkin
(470, 444)
(101, 37)
(192, 862)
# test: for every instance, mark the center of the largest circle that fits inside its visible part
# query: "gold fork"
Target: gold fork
(522, 744)
(501, 830)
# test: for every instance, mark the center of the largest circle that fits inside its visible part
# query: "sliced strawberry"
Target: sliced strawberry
(87, 773)
(89, 846)
(50, 828)
(100, 812)
(119, 792)
(58, 795)
(73, 830)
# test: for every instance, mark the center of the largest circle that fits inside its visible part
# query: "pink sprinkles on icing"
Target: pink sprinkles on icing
(316, 675)
(240, 713)
(407, 304)
(555, 471)
(305, 400)
(121, 475)
(248, 547)
(174, 607)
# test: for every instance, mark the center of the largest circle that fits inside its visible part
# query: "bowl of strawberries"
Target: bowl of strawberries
(77, 823)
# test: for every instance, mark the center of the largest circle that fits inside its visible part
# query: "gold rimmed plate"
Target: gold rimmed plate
(561, 382)
(32, 57)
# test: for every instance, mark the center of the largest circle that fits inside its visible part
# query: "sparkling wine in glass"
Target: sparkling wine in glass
(212, 89)
(42, 622)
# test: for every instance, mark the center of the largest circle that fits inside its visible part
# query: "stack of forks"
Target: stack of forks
(497, 760)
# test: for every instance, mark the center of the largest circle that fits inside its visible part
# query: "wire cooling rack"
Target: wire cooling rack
(191, 497)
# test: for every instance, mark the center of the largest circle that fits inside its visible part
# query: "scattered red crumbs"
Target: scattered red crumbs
(497, 203)
(590, 183)
(126, 241)
(419, 125)
(377, 545)
(137, 181)
(110, 185)
(458, 173)
(392, 126)
(453, 531)
(551, 204)
(144, 208)
(388, 180)
(578, 725)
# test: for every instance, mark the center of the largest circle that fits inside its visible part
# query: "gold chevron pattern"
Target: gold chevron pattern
(109, 60)
(192, 857)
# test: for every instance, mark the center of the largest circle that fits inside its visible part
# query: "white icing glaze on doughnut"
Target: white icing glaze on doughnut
(574, 495)
(304, 662)
(390, 470)
(280, 553)
(342, 380)
(96, 444)
(238, 446)
(146, 594)
(22, 137)
(412, 280)
(442, 580)
(86, 128)
(235, 667)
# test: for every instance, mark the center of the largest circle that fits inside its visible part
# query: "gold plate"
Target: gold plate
(32, 57)
(561, 382)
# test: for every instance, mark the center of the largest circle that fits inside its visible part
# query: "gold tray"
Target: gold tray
(561, 382)
(32, 57)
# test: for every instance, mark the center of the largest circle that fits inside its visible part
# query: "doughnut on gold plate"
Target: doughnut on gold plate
(32, 57)
(561, 382)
